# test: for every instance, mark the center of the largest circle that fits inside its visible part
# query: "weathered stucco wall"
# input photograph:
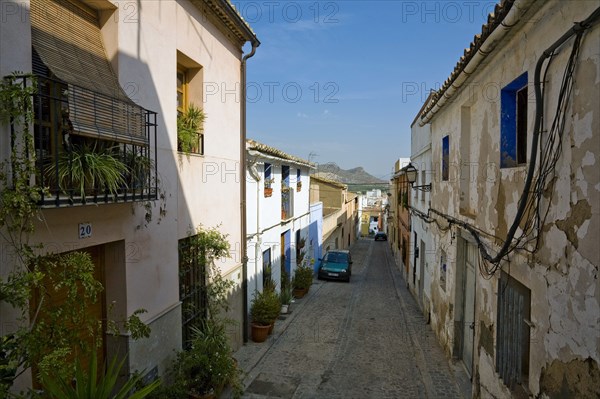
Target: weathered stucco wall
(563, 274)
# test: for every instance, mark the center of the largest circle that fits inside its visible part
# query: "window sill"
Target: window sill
(521, 165)
(187, 154)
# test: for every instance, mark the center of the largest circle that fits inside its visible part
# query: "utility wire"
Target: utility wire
(530, 214)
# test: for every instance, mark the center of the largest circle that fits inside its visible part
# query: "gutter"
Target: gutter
(243, 244)
(517, 10)
(279, 160)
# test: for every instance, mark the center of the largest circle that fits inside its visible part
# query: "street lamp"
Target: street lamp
(411, 175)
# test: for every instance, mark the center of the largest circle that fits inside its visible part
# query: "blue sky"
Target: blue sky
(341, 81)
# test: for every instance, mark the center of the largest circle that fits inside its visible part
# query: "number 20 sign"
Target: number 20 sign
(85, 230)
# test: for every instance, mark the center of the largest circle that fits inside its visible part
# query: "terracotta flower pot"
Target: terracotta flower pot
(260, 333)
(192, 395)
(299, 292)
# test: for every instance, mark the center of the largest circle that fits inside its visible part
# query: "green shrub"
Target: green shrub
(265, 307)
(303, 277)
(206, 368)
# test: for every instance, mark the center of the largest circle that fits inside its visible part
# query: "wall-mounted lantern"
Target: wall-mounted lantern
(411, 175)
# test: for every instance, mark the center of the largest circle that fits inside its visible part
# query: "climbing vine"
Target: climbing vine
(50, 335)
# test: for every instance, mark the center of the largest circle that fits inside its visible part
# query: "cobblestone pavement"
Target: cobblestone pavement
(365, 339)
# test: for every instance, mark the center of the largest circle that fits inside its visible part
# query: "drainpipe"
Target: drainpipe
(255, 44)
(512, 17)
(255, 175)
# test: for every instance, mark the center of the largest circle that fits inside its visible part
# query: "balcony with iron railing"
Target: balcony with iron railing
(91, 148)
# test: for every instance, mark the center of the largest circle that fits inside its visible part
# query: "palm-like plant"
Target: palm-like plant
(86, 167)
(89, 385)
(189, 126)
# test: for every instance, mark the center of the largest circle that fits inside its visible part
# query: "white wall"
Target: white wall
(264, 222)
(421, 160)
(142, 39)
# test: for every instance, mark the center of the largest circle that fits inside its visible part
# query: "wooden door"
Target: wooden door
(470, 258)
(96, 311)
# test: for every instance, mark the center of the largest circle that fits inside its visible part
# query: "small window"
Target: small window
(182, 86)
(193, 114)
(266, 265)
(445, 158)
(285, 176)
(298, 180)
(268, 180)
(513, 123)
(192, 288)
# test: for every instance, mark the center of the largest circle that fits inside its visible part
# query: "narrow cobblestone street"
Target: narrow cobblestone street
(366, 339)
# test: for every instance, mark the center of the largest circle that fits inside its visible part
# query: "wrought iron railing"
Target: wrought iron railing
(90, 147)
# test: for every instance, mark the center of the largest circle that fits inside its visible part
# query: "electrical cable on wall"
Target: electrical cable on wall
(530, 212)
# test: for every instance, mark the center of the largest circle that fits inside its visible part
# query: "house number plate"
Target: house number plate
(85, 230)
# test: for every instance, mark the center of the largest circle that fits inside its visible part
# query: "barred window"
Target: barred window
(192, 288)
(512, 347)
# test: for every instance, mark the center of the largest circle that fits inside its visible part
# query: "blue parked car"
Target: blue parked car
(336, 265)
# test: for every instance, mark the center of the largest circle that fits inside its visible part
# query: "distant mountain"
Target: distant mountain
(357, 175)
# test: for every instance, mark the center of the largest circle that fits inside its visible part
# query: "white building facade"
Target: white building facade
(424, 255)
(135, 61)
(278, 216)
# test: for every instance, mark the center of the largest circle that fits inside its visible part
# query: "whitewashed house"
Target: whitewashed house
(278, 216)
(118, 73)
(424, 255)
(515, 202)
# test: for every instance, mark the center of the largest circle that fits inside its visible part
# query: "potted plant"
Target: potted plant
(139, 165)
(87, 168)
(190, 126)
(302, 281)
(206, 368)
(268, 189)
(285, 296)
(264, 310)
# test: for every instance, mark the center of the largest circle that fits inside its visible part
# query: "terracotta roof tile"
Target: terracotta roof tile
(272, 151)
(494, 19)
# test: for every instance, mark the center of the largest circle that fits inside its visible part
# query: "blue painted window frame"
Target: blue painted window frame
(285, 175)
(445, 158)
(268, 169)
(509, 120)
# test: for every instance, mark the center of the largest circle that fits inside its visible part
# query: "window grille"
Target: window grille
(512, 347)
(192, 288)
